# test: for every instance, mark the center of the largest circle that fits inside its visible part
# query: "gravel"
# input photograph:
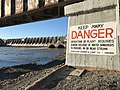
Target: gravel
(92, 80)
(18, 77)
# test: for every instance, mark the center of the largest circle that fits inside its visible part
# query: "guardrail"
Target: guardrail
(10, 7)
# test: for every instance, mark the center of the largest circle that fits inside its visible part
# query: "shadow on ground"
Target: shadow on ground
(16, 71)
(53, 79)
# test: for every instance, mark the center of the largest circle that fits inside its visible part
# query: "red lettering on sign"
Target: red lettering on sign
(87, 34)
(94, 33)
(109, 32)
(101, 33)
(80, 34)
(74, 35)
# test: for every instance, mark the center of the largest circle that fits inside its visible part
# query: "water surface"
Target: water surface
(10, 56)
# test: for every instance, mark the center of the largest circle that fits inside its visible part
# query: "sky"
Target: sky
(47, 28)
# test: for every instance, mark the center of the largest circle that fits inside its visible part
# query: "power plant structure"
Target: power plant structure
(51, 42)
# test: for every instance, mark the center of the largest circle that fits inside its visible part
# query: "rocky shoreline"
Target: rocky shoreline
(92, 80)
(11, 76)
(22, 77)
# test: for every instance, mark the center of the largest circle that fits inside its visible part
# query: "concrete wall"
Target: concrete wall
(50, 2)
(19, 6)
(88, 12)
(7, 7)
(32, 5)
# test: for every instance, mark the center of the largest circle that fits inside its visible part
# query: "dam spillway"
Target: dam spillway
(51, 42)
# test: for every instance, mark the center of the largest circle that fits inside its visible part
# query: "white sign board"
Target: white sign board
(96, 38)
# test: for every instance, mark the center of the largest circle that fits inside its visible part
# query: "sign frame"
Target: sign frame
(95, 38)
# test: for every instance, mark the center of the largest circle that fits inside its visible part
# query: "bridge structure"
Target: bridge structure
(93, 38)
(51, 42)
(14, 12)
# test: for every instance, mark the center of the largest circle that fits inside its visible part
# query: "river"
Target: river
(10, 56)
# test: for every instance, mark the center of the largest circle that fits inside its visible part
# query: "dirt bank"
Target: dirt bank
(54, 76)
(19, 77)
(92, 80)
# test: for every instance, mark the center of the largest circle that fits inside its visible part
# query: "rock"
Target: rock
(97, 80)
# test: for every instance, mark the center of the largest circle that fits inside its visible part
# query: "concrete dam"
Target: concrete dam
(51, 42)
(2, 42)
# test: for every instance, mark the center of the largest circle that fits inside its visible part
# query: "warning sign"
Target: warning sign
(97, 38)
